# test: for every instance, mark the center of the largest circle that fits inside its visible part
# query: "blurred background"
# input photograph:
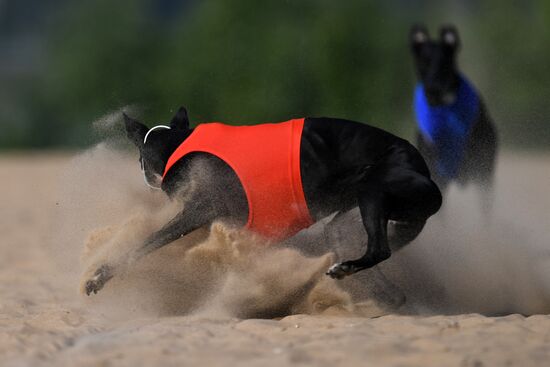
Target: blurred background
(65, 64)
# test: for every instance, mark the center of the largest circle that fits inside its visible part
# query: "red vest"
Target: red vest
(266, 159)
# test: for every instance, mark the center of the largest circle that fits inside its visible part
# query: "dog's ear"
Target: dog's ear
(135, 130)
(418, 36)
(449, 37)
(180, 121)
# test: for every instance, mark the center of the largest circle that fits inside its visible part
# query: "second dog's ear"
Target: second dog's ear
(180, 121)
(135, 130)
(449, 36)
(418, 36)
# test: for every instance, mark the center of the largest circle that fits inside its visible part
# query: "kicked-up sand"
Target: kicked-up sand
(477, 290)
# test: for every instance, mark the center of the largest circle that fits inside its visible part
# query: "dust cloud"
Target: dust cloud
(462, 262)
(220, 271)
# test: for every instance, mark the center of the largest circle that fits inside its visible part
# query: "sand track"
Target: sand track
(45, 321)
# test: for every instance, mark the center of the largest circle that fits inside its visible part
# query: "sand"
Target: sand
(263, 307)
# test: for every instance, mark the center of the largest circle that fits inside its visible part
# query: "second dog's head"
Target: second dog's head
(157, 144)
(435, 62)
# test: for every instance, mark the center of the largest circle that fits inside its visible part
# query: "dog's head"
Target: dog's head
(157, 144)
(436, 63)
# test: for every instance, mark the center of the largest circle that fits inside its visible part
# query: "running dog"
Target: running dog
(455, 133)
(278, 178)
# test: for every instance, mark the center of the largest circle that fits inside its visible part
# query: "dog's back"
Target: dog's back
(336, 156)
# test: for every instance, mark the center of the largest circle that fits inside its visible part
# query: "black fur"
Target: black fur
(436, 68)
(344, 164)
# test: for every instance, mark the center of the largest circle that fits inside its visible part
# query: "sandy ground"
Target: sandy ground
(44, 320)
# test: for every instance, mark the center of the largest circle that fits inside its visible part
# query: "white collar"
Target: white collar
(142, 165)
(154, 128)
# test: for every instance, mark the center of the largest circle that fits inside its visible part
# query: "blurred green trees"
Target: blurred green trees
(246, 61)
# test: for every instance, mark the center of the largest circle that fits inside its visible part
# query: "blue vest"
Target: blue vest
(448, 127)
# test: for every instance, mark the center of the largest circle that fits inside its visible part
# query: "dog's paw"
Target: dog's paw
(341, 270)
(101, 276)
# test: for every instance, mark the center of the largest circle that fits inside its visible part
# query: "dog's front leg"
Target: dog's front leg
(374, 217)
(192, 218)
(101, 276)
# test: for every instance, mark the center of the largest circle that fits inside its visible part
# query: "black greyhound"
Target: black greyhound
(455, 133)
(343, 164)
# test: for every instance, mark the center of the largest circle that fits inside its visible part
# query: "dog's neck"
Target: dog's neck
(464, 107)
(168, 148)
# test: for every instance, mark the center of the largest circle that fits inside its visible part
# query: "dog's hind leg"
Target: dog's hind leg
(345, 235)
(393, 191)
(486, 178)
(401, 233)
(373, 208)
(384, 291)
